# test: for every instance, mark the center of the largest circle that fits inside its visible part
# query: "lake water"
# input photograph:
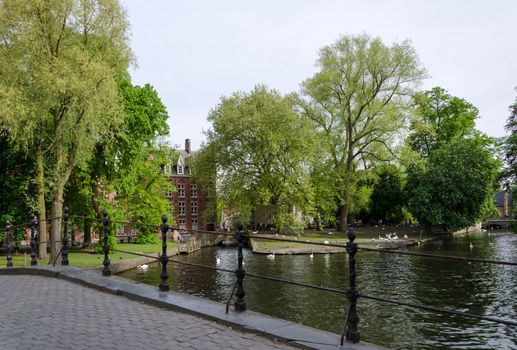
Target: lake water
(482, 289)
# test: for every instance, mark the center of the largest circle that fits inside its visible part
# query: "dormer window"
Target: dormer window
(181, 166)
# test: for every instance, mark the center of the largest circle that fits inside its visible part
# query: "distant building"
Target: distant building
(504, 203)
(189, 201)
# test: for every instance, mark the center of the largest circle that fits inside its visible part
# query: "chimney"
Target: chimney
(187, 145)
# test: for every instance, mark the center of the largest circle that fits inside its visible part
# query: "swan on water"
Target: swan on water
(270, 256)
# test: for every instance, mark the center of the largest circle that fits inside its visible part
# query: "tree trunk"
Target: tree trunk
(96, 193)
(347, 190)
(343, 217)
(87, 237)
(318, 222)
(55, 226)
(40, 183)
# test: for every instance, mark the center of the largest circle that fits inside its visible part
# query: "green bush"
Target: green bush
(97, 249)
(146, 238)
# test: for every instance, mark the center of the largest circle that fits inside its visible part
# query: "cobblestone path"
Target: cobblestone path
(47, 313)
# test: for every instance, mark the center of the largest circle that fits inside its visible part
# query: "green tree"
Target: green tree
(510, 149)
(388, 197)
(58, 62)
(262, 150)
(127, 160)
(16, 182)
(357, 102)
(455, 186)
(439, 119)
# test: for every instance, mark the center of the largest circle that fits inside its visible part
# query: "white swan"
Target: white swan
(143, 267)
(471, 246)
(270, 256)
(217, 260)
(405, 237)
(311, 256)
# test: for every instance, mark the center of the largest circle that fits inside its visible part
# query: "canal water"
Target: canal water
(482, 289)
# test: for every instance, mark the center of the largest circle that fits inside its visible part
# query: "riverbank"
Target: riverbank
(387, 237)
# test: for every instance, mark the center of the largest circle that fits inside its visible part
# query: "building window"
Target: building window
(194, 224)
(181, 208)
(181, 166)
(167, 169)
(181, 191)
(182, 223)
(168, 193)
(193, 191)
(193, 207)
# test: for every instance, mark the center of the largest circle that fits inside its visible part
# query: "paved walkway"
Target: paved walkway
(48, 313)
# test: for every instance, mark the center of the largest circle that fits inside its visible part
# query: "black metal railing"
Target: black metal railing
(350, 328)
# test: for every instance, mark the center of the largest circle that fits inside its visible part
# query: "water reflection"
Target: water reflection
(476, 288)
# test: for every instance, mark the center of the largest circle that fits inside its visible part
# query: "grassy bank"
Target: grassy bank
(88, 260)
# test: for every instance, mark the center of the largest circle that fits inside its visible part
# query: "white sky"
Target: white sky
(195, 51)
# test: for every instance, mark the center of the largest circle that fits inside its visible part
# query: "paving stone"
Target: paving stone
(49, 313)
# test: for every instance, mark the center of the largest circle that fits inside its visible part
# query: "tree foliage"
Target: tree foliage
(456, 186)
(16, 182)
(127, 161)
(510, 149)
(388, 197)
(510, 144)
(58, 62)
(262, 150)
(357, 102)
(440, 118)
(454, 181)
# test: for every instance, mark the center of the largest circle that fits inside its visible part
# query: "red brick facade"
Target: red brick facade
(189, 201)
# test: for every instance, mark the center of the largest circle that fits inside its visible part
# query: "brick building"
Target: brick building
(189, 201)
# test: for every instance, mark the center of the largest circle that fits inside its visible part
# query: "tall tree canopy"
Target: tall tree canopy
(262, 150)
(58, 63)
(453, 180)
(511, 143)
(357, 102)
(439, 119)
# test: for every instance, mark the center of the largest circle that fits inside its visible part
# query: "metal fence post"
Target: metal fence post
(164, 276)
(8, 237)
(240, 305)
(64, 241)
(352, 320)
(106, 271)
(33, 222)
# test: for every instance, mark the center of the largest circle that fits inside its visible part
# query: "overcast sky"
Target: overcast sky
(193, 52)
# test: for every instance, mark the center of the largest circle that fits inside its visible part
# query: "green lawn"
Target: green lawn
(90, 260)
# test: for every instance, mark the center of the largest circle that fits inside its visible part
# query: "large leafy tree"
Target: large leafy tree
(356, 101)
(455, 186)
(510, 149)
(262, 150)
(453, 180)
(58, 63)
(511, 143)
(127, 160)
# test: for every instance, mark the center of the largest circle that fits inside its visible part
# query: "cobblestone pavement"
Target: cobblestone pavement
(48, 313)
